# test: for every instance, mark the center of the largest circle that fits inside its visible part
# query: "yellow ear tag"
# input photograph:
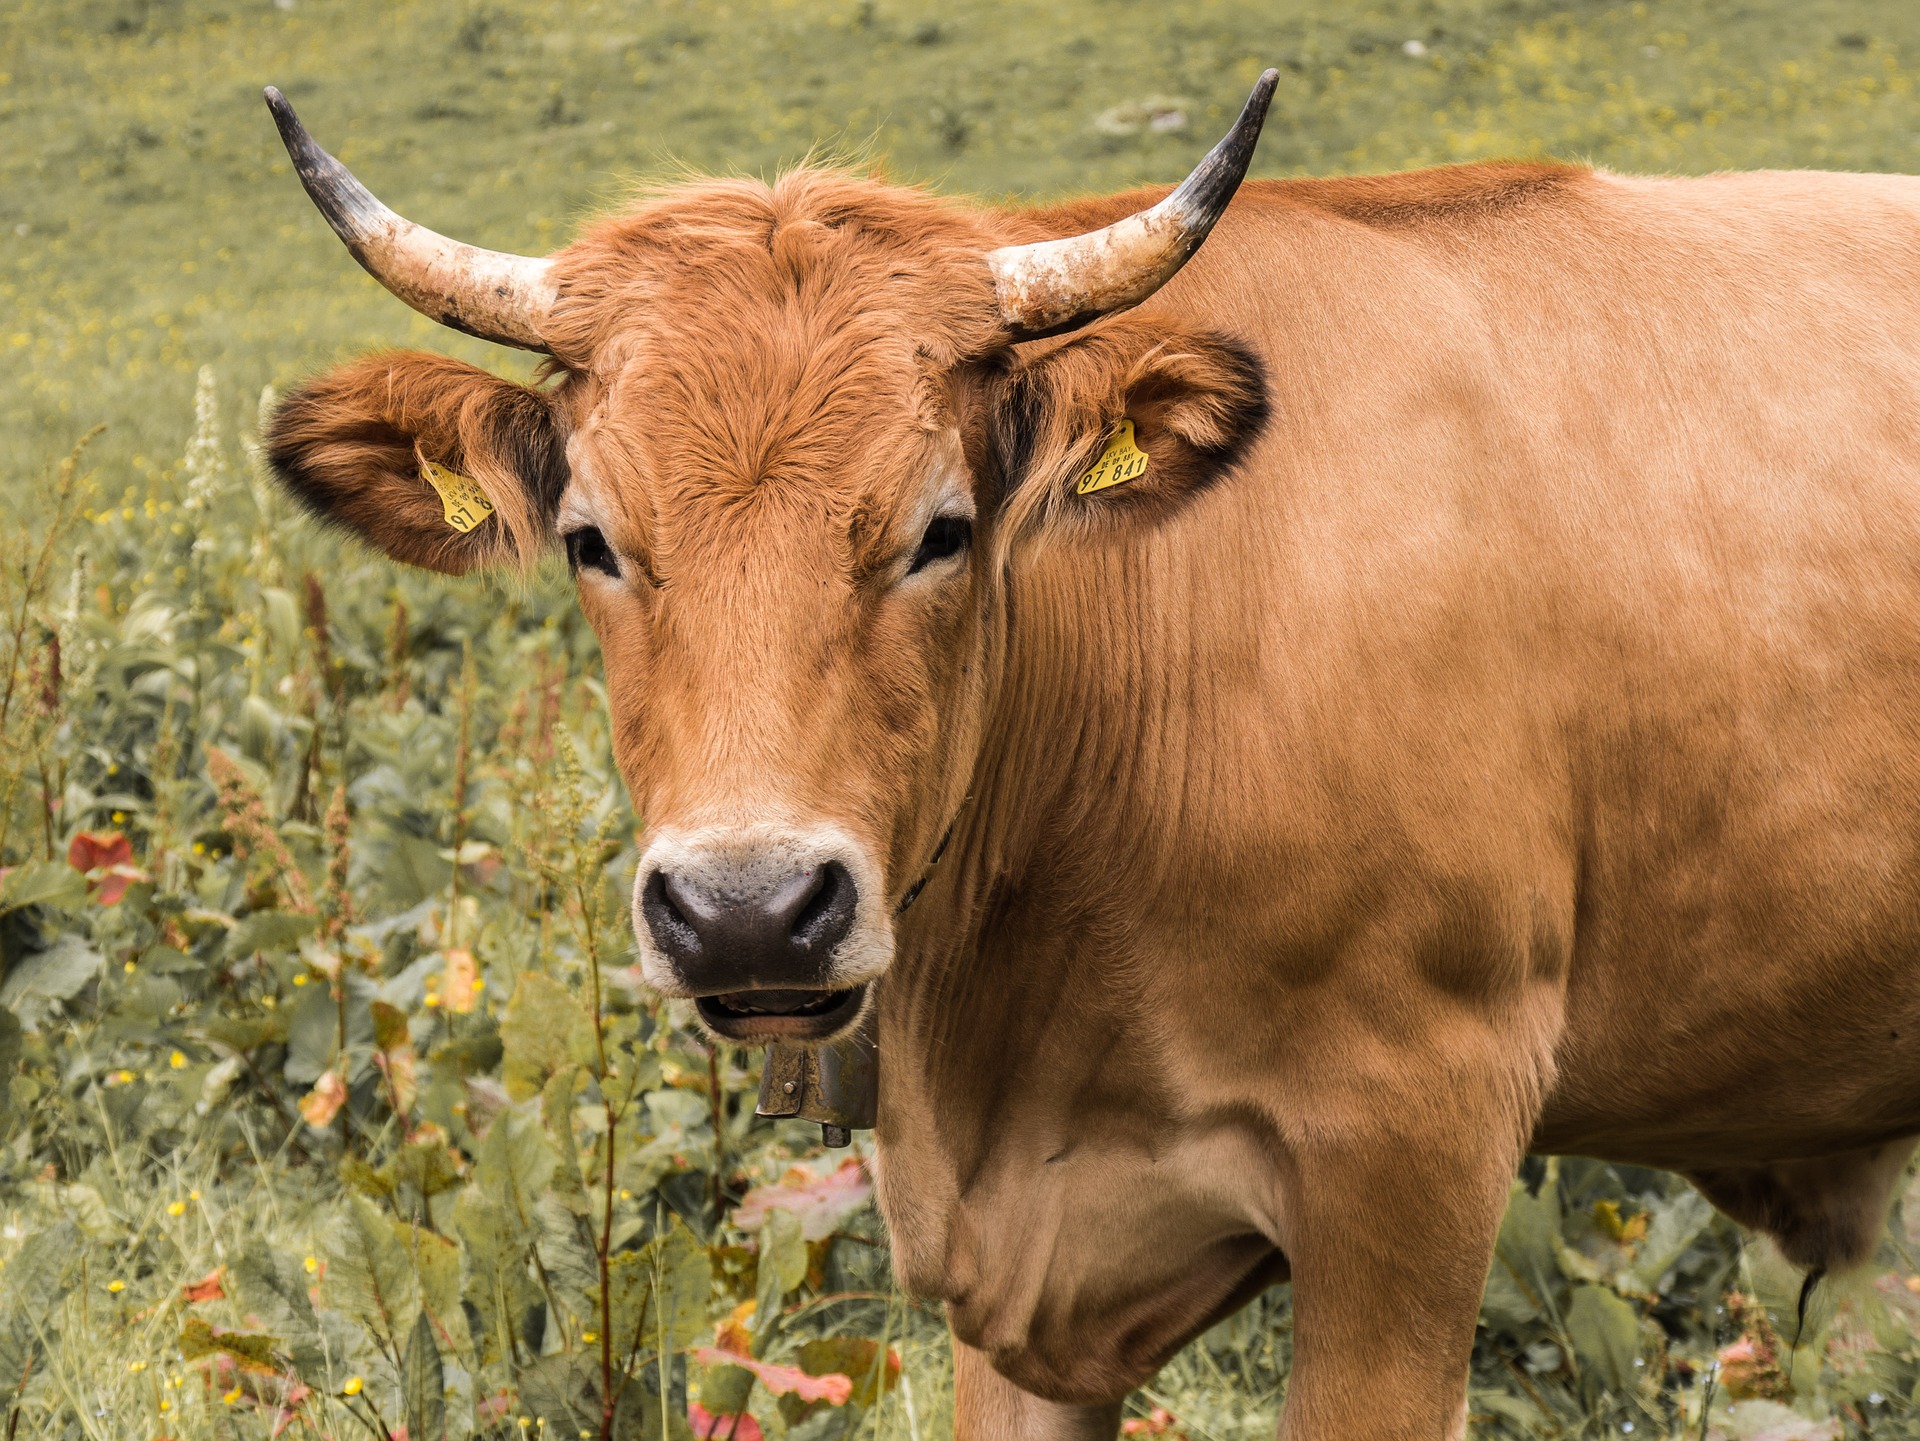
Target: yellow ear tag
(1119, 463)
(462, 500)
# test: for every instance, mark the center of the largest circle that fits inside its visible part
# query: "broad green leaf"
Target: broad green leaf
(424, 1385)
(32, 1285)
(376, 1184)
(436, 1261)
(1676, 1223)
(515, 1163)
(639, 1415)
(56, 974)
(556, 1110)
(567, 1255)
(42, 883)
(661, 1293)
(1605, 1332)
(562, 1391)
(252, 1349)
(389, 1026)
(274, 1288)
(428, 1166)
(783, 1262)
(87, 1209)
(544, 1029)
(1527, 1249)
(496, 1280)
(369, 1274)
(271, 932)
(312, 1033)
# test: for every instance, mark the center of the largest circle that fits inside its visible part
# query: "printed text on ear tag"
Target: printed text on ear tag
(1119, 463)
(462, 501)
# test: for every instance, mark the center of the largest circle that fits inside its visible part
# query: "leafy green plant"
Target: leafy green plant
(411, 1007)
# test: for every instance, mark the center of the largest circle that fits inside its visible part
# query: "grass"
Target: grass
(187, 667)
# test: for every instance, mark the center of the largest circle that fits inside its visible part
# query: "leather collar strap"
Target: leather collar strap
(913, 891)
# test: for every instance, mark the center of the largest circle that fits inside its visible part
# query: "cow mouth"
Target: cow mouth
(758, 1016)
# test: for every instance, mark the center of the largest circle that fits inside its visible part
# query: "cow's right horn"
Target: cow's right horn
(1053, 286)
(500, 297)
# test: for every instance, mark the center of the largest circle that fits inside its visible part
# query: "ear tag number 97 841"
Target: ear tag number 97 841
(462, 501)
(1119, 463)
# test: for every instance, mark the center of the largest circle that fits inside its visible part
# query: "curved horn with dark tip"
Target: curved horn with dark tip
(499, 297)
(1053, 286)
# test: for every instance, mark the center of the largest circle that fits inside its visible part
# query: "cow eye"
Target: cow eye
(948, 535)
(587, 549)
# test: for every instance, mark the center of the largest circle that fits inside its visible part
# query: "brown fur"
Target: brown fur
(1493, 725)
(350, 444)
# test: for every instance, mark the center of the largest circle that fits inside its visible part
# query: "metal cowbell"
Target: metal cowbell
(837, 1084)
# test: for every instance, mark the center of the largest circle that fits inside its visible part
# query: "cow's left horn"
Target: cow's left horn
(1052, 286)
(495, 296)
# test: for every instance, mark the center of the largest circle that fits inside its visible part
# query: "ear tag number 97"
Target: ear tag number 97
(462, 500)
(1119, 463)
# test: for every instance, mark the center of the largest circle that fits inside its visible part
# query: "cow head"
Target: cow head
(789, 448)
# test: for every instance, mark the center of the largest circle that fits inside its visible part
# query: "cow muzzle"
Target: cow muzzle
(774, 933)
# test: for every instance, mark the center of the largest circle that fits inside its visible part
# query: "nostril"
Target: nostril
(827, 913)
(666, 912)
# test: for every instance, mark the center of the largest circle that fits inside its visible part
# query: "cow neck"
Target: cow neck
(926, 872)
(998, 972)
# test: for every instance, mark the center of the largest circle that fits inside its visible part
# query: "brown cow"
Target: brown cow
(1490, 724)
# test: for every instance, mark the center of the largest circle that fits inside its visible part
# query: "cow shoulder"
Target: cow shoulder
(433, 461)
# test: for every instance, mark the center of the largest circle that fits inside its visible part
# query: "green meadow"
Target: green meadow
(329, 1102)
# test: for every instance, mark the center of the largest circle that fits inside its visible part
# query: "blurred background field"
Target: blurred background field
(304, 860)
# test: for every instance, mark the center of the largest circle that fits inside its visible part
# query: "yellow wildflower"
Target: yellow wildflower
(178, 1208)
(232, 1396)
(312, 1265)
(116, 1287)
(178, 1060)
(352, 1388)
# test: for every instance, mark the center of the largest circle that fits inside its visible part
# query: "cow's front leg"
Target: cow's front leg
(1390, 1239)
(988, 1407)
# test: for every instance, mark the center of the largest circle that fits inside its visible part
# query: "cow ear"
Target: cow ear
(1123, 426)
(431, 460)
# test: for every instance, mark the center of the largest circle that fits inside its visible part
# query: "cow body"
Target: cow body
(1490, 725)
(1517, 752)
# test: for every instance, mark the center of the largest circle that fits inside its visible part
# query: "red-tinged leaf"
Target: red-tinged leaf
(94, 850)
(114, 882)
(819, 1203)
(730, 1427)
(106, 859)
(491, 1408)
(1158, 1422)
(289, 1408)
(207, 1288)
(857, 1357)
(732, 1334)
(834, 1389)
